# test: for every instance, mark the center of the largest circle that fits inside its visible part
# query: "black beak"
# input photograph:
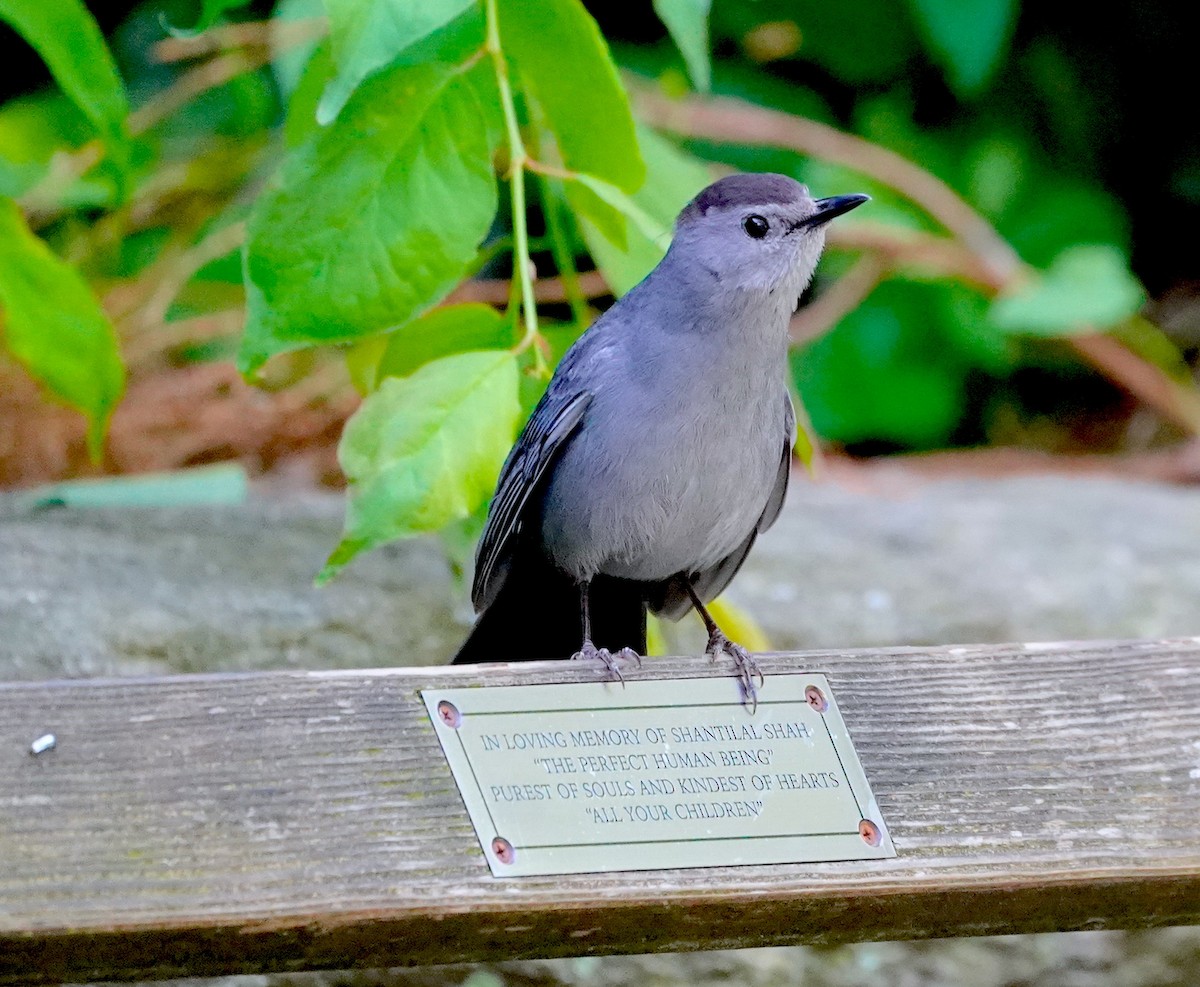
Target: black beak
(835, 205)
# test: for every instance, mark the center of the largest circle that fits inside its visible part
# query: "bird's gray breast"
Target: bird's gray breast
(670, 469)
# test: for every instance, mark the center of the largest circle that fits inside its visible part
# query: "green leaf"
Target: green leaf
(559, 52)
(301, 121)
(1057, 214)
(289, 62)
(210, 10)
(69, 41)
(805, 444)
(443, 332)
(608, 220)
(375, 218)
(362, 362)
(459, 539)
(687, 22)
(52, 323)
(886, 372)
(368, 35)
(446, 330)
(646, 224)
(995, 169)
(32, 130)
(962, 312)
(425, 450)
(672, 179)
(1086, 289)
(966, 37)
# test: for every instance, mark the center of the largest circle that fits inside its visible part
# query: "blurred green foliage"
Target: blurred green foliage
(379, 152)
(896, 372)
(53, 324)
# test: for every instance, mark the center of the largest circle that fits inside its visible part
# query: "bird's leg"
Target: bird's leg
(746, 667)
(589, 650)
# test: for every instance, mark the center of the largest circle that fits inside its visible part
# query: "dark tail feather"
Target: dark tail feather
(536, 616)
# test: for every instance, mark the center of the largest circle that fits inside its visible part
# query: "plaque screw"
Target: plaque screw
(504, 851)
(816, 699)
(448, 713)
(870, 833)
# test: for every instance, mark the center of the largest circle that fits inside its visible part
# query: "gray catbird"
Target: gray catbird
(662, 445)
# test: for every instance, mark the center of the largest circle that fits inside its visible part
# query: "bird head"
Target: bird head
(757, 232)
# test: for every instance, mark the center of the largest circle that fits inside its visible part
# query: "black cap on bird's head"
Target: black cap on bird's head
(758, 230)
(745, 190)
(757, 189)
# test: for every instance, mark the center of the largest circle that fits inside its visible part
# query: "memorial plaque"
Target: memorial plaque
(596, 776)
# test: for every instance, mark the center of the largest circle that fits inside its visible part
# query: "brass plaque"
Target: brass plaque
(589, 777)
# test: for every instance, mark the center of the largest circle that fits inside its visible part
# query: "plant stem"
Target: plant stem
(503, 245)
(552, 291)
(563, 257)
(517, 162)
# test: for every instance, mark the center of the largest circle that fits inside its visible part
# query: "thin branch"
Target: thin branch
(179, 271)
(985, 258)
(522, 265)
(910, 248)
(326, 384)
(278, 35)
(827, 309)
(43, 203)
(208, 75)
(551, 290)
(734, 121)
(563, 257)
(1174, 401)
(170, 336)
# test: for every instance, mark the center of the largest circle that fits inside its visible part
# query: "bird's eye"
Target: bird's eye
(755, 226)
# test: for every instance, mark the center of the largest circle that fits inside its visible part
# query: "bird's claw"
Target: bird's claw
(749, 675)
(609, 659)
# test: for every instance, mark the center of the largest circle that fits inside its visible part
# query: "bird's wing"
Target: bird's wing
(779, 491)
(673, 600)
(553, 421)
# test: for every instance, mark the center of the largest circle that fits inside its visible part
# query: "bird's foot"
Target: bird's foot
(749, 675)
(609, 659)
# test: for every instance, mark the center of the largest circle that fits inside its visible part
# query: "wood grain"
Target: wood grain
(203, 825)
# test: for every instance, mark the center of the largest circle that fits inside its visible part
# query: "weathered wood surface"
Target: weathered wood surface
(281, 821)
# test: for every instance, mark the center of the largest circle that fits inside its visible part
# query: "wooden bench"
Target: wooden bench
(212, 824)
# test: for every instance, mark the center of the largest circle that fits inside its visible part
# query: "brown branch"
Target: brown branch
(176, 273)
(172, 335)
(329, 383)
(547, 290)
(43, 203)
(735, 121)
(827, 309)
(986, 258)
(152, 340)
(208, 75)
(910, 248)
(278, 35)
(1174, 401)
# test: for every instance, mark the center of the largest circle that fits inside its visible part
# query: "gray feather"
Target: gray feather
(552, 423)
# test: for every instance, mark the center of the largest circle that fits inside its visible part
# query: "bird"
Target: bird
(662, 445)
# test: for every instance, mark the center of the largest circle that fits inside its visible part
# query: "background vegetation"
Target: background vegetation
(335, 197)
